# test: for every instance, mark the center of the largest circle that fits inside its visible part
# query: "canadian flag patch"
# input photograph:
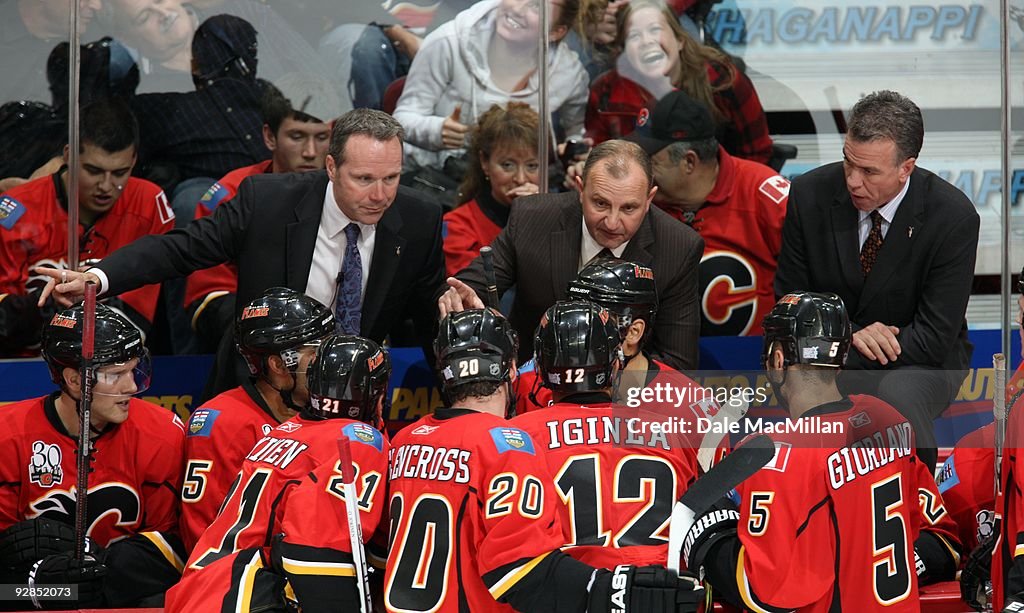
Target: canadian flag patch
(776, 188)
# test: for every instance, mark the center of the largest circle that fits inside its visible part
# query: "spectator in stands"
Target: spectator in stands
(189, 139)
(503, 166)
(550, 237)
(297, 138)
(114, 209)
(134, 553)
(897, 244)
(162, 30)
(657, 56)
(29, 29)
(487, 55)
(736, 205)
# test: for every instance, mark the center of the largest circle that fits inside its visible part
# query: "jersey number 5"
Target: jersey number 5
(892, 573)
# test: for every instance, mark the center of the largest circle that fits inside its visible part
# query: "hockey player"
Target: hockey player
(1008, 557)
(617, 484)
(114, 207)
(277, 334)
(473, 518)
(230, 567)
(298, 143)
(134, 478)
(841, 495)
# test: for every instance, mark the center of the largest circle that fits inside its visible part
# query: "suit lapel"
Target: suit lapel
(638, 249)
(387, 253)
(844, 229)
(301, 234)
(896, 248)
(564, 247)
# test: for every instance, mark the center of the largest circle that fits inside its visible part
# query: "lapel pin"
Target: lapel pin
(398, 250)
(910, 232)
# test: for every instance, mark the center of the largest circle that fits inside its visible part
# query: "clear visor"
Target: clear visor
(293, 358)
(124, 378)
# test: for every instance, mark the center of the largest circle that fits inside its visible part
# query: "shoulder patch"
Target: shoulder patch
(10, 212)
(776, 188)
(781, 459)
(213, 196)
(512, 439)
(444, 229)
(948, 478)
(365, 434)
(201, 422)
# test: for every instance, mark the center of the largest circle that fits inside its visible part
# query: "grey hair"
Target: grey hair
(888, 115)
(370, 122)
(617, 156)
(706, 150)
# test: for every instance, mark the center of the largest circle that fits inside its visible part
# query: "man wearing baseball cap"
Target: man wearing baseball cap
(736, 205)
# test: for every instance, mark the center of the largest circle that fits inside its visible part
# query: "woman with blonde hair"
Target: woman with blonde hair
(503, 165)
(655, 56)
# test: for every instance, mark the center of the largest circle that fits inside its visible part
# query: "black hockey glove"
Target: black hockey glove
(64, 569)
(976, 578)
(26, 542)
(644, 589)
(718, 523)
(1014, 604)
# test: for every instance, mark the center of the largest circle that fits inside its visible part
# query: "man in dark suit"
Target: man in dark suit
(898, 244)
(349, 237)
(550, 237)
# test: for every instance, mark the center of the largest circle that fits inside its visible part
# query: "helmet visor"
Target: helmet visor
(124, 378)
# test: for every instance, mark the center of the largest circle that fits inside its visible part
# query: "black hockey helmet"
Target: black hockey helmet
(277, 323)
(625, 288)
(475, 345)
(116, 341)
(577, 347)
(812, 329)
(347, 378)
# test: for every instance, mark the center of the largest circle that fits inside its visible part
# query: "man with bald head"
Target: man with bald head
(550, 237)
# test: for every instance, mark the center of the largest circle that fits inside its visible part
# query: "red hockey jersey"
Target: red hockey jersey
(967, 484)
(1009, 552)
(133, 486)
(241, 581)
(471, 513)
(617, 482)
(222, 278)
(741, 224)
(466, 229)
(219, 435)
(34, 232)
(844, 505)
(280, 459)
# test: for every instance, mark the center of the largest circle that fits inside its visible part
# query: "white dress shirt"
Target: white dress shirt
(322, 283)
(888, 212)
(589, 248)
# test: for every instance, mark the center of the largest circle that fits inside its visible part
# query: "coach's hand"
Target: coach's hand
(647, 589)
(67, 286)
(458, 297)
(878, 342)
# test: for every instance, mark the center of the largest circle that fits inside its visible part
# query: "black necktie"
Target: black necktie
(869, 251)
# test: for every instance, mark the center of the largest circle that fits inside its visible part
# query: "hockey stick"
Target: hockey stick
(729, 412)
(355, 526)
(86, 376)
(999, 412)
(491, 298)
(724, 476)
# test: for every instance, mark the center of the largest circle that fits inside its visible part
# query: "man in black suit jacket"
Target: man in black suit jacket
(906, 283)
(274, 226)
(550, 237)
